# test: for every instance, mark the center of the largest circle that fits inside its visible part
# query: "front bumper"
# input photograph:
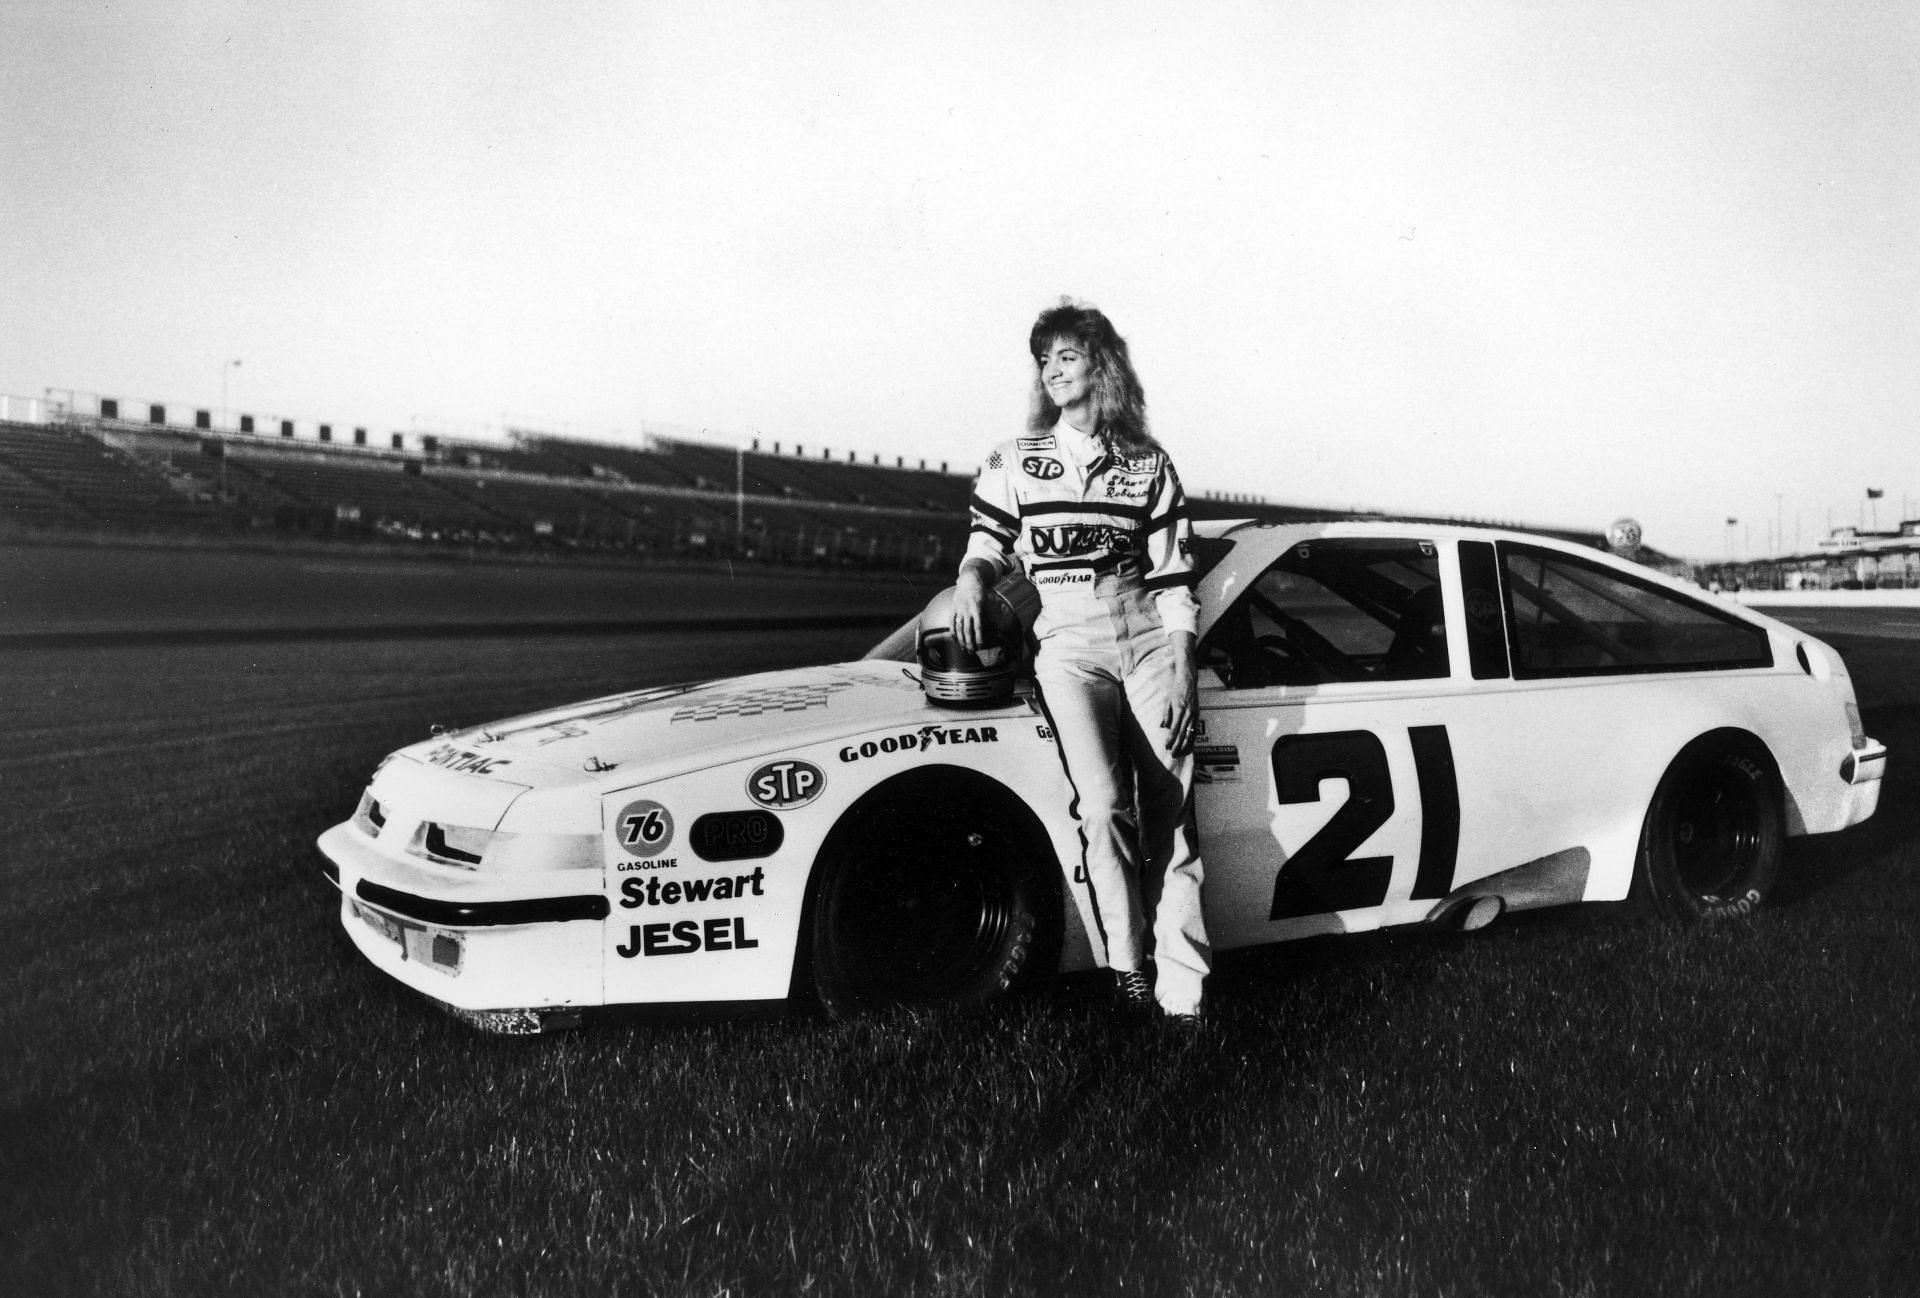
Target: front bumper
(470, 953)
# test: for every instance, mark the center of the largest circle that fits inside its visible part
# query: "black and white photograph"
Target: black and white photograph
(750, 647)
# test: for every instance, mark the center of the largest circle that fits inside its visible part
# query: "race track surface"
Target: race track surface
(80, 594)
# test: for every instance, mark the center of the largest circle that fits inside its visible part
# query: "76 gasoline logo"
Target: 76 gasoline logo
(644, 828)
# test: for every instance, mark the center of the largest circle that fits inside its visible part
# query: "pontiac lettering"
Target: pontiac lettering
(453, 758)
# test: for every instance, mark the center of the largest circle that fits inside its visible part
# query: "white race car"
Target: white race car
(1400, 724)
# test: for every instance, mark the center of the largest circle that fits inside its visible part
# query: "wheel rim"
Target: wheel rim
(921, 922)
(1719, 829)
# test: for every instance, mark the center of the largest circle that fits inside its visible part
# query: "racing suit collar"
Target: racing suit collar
(1085, 449)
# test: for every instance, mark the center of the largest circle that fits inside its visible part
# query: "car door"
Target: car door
(1325, 783)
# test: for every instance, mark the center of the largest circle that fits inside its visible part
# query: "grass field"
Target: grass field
(204, 1091)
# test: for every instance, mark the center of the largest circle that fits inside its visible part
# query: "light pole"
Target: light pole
(224, 369)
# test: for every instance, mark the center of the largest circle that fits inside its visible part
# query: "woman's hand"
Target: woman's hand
(969, 601)
(1182, 706)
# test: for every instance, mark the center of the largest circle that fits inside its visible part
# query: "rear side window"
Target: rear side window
(1568, 617)
(1335, 610)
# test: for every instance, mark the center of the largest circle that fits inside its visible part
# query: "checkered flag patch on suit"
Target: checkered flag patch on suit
(758, 702)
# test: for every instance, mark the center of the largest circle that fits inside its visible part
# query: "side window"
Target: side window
(1486, 632)
(1335, 610)
(1572, 618)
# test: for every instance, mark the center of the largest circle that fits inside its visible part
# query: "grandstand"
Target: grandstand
(87, 469)
(59, 474)
(96, 472)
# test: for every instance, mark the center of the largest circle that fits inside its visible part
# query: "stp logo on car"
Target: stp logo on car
(783, 784)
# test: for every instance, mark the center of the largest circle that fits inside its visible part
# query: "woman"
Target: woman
(1088, 503)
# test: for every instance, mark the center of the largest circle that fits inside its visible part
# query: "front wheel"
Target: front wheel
(933, 891)
(1710, 847)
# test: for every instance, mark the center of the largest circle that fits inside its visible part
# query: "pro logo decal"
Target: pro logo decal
(644, 828)
(736, 835)
(785, 784)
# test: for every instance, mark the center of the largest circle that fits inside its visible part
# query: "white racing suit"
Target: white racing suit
(1105, 540)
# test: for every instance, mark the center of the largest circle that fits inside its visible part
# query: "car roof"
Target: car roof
(1284, 535)
(1238, 527)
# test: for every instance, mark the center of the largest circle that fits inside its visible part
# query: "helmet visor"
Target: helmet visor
(940, 652)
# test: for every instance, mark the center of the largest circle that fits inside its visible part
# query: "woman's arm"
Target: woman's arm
(994, 524)
(1182, 707)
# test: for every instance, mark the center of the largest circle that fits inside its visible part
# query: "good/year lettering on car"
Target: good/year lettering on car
(1323, 876)
(925, 737)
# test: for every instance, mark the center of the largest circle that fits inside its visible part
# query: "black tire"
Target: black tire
(937, 888)
(1710, 847)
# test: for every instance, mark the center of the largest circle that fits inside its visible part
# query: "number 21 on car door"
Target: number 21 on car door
(1321, 818)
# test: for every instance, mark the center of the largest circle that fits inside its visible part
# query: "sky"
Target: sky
(1553, 263)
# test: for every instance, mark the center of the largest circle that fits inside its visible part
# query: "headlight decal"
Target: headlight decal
(368, 818)
(453, 844)
(495, 852)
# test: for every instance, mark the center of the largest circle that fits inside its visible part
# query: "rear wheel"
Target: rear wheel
(1711, 844)
(934, 890)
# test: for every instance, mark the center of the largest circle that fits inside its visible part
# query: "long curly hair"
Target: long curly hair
(1119, 402)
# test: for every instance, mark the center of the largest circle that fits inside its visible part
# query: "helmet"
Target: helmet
(953, 676)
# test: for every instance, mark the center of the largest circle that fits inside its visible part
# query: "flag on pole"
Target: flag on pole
(1874, 493)
(1732, 521)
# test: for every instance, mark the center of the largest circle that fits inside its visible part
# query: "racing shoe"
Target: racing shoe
(1133, 991)
(1186, 1022)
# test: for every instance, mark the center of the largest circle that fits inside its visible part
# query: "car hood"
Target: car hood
(650, 734)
